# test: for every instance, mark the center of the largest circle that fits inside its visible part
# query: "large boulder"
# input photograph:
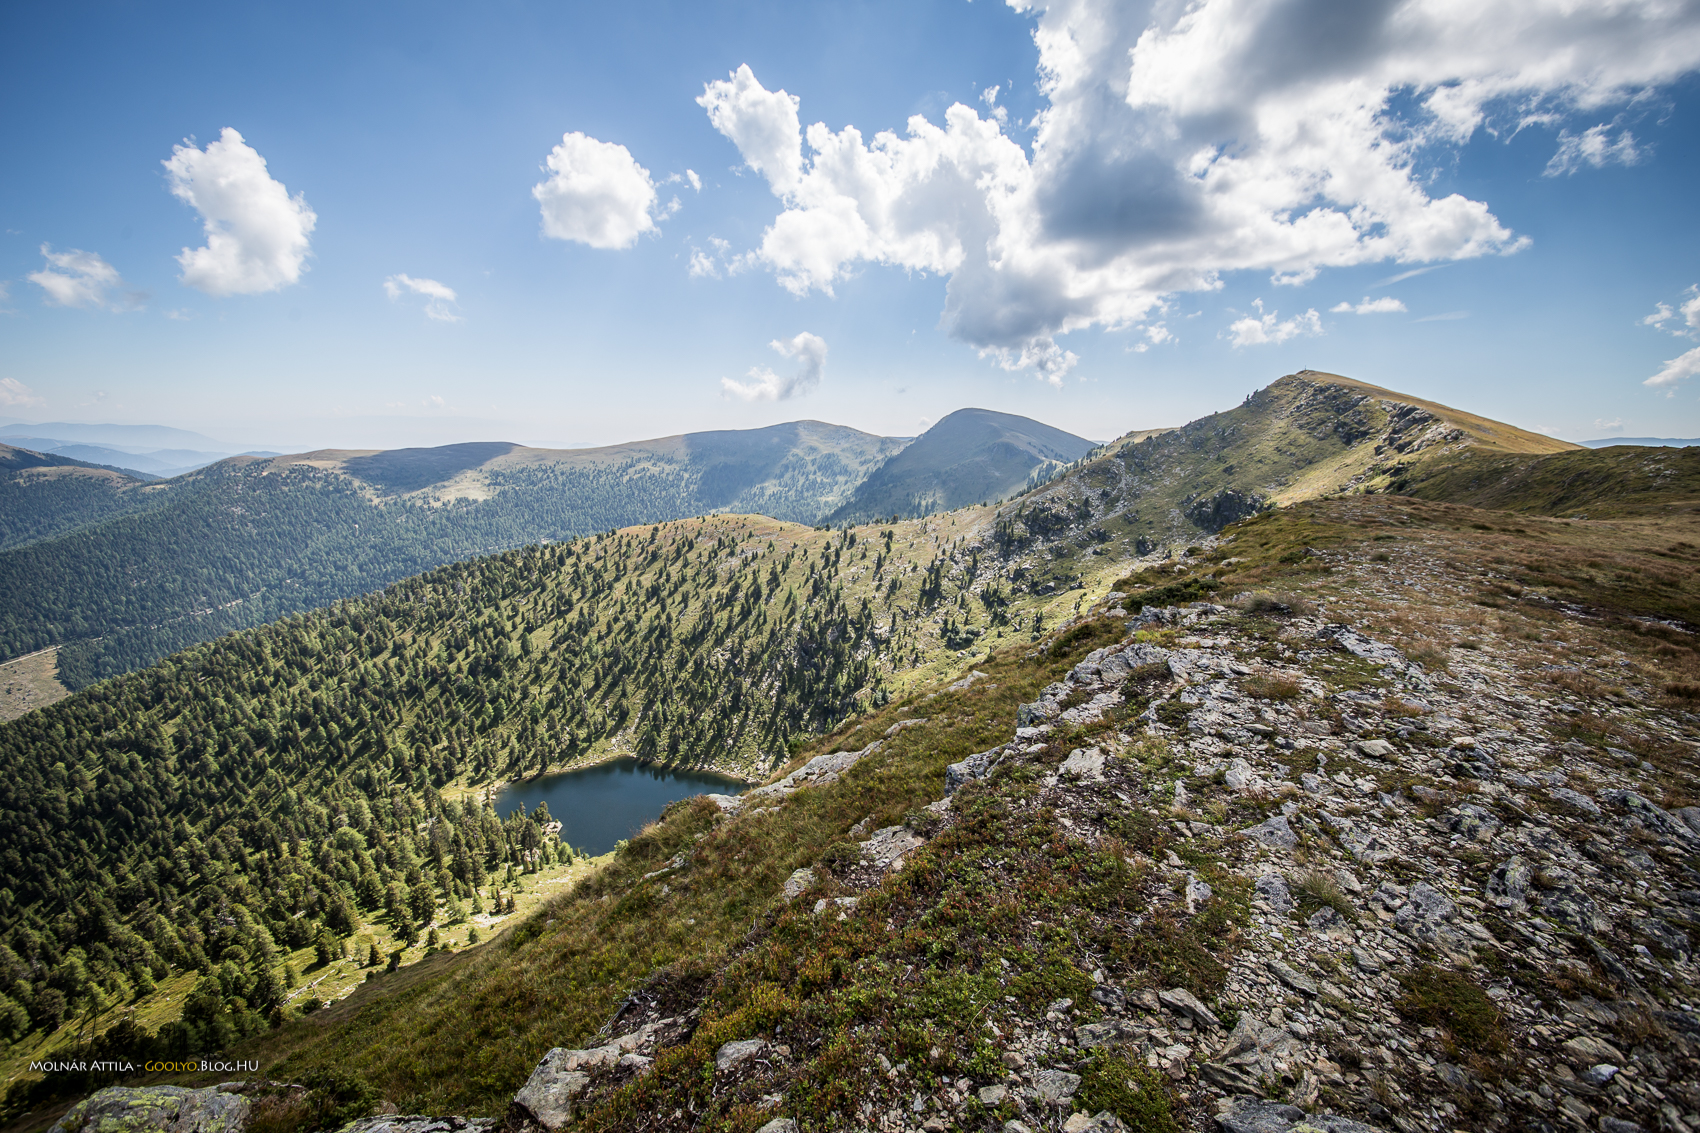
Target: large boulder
(145, 1109)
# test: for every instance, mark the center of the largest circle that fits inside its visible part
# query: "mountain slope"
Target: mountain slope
(970, 456)
(1233, 852)
(44, 494)
(1304, 436)
(137, 817)
(137, 572)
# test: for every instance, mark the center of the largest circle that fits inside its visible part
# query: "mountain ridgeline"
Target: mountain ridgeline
(120, 573)
(971, 456)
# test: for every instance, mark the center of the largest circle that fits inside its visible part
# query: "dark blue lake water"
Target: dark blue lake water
(600, 805)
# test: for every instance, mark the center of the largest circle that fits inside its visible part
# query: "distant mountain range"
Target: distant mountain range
(1645, 442)
(118, 572)
(149, 451)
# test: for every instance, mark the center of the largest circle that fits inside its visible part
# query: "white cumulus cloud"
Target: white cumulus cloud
(1266, 328)
(83, 279)
(439, 297)
(763, 124)
(256, 232)
(1182, 142)
(14, 393)
(596, 194)
(1386, 305)
(809, 350)
(1676, 369)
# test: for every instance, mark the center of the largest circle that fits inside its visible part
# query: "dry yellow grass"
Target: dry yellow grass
(30, 682)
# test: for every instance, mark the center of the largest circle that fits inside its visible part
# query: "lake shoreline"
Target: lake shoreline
(497, 786)
(603, 802)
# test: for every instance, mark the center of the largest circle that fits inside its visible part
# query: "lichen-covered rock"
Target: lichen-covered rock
(980, 766)
(144, 1109)
(417, 1123)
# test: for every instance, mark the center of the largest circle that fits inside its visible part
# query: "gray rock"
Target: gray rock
(1570, 906)
(1575, 800)
(888, 846)
(1690, 815)
(1508, 884)
(1365, 960)
(1619, 1125)
(1055, 1086)
(1473, 822)
(1276, 832)
(733, 1053)
(1255, 1116)
(168, 1109)
(1084, 763)
(1103, 1122)
(1599, 1074)
(1298, 981)
(1324, 919)
(1431, 903)
(1094, 1035)
(1588, 1050)
(1377, 749)
(1230, 1079)
(779, 1125)
(419, 1123)
(980, 766)
(1272, 887)
(798, 883)
(1180, 1000)
(820, 769)
(1035, 713)
(992, 1095)
(548, 1097)
(1257, 1051)
(1260, 1117)
(1651, 815)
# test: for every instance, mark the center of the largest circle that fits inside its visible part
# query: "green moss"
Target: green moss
(1132, 1092)
(1447, 999)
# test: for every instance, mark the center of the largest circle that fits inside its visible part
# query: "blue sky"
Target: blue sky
(1144, 177)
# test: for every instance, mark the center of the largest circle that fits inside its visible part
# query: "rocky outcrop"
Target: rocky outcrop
(556, 1094)
(157, 1109)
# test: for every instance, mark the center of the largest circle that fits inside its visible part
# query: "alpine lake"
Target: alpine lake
(601, 805)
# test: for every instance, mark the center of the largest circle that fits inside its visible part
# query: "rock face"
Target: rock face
(555, 1095)
(168, 1109)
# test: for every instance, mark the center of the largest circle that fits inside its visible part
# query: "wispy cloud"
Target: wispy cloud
(1386, 305)
(1444, 317)
(439, 297)
(1267, 328)
(16, 395)
(83, 279)
(1404, 275)
(764, 385)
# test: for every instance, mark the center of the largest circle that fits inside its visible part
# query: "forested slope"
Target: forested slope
(43, 495)
(137, 572)
(288, 782)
